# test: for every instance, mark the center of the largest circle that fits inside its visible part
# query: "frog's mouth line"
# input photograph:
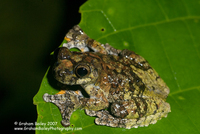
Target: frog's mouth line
(72, 88)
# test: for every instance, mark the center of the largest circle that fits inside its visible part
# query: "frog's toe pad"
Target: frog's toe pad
(47, 97)
(65, 123)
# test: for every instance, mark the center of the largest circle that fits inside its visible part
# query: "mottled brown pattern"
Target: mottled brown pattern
(119, 80)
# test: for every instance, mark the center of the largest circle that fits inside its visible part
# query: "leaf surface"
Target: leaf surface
(167, 34)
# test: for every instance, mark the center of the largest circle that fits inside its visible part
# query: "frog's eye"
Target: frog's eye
(82, 70)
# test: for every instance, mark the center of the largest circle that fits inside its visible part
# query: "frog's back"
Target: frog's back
(130, 75)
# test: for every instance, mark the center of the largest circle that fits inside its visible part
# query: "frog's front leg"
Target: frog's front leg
(76, 38)
(67, 102)
(97, 100)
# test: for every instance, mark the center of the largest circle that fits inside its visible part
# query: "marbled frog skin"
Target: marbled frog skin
(119, 80)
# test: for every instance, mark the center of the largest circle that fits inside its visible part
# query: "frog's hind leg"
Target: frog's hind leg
(133, 113)
(104, 118)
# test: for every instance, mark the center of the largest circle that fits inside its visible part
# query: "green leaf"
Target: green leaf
(167, 34)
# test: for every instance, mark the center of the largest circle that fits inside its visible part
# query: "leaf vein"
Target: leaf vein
(162, 10)
(186, 9)
(172, 70)
(184, 90)
(192, 37)
(150, 24)
(108, 20)
(185, 113)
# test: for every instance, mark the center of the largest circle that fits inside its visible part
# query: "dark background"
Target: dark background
(29, 31)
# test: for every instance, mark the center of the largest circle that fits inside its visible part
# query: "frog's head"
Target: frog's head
(74, 68)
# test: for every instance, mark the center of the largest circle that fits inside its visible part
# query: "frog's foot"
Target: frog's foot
(104, 118)
(91, 112)
(76, 38)
(66, 101)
